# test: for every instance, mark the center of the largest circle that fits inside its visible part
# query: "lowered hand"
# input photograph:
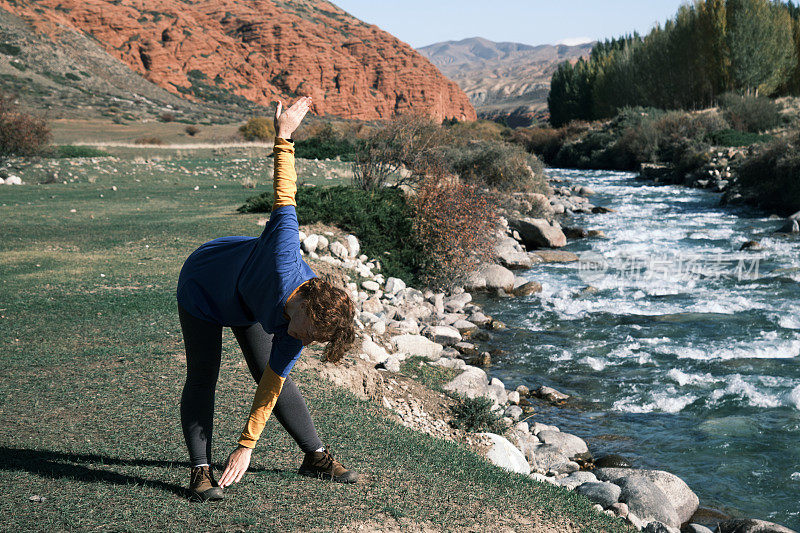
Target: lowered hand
(235, 466)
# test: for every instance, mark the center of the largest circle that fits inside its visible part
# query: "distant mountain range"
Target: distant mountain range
(507, 81)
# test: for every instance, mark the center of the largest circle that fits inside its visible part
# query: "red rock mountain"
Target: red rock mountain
(260, 49)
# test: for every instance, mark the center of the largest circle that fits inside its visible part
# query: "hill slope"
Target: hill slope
(216, 50)
(503, 80)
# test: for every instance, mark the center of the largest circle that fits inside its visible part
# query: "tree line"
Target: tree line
(708, 48)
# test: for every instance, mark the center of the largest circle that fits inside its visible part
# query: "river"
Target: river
(683, 355)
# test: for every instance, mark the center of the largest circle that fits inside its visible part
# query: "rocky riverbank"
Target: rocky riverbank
(720, 175)
(448, 330)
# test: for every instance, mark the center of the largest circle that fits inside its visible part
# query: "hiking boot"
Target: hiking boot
(323, 465)
(203, 486)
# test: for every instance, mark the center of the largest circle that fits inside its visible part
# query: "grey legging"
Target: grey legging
(203, 341)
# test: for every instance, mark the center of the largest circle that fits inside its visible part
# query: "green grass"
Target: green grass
(78, 151)
(433, 377)
(92, 372)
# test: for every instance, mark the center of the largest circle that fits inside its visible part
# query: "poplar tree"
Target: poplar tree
(760, 40)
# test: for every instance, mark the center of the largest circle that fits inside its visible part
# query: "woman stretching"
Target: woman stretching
(263, 290)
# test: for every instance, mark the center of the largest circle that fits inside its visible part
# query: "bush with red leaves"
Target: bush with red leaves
(453, 223)
(21, 134)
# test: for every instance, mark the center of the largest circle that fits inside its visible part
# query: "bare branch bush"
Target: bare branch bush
(400, 152)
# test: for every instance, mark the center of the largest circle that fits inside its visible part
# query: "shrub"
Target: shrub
(67, 151)
(475, 414)
(429, 239)
(258, 129)
(149, 140)
(327, 143)
(485, 130)
(453, 224)
(21, 134)
(166, 117)
(729, 137)
(750, 113)
(499, 165)
(381, 219)
(772, 176)
(192, 130)
(544, 142)
(410, 141)
(10, 49)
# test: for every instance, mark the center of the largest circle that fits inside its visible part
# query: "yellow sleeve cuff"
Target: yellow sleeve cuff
(285, 176)
(269, 388)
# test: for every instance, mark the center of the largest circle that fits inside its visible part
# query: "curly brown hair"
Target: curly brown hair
(332, 312)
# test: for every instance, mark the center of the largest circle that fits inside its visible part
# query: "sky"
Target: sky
(423, 22)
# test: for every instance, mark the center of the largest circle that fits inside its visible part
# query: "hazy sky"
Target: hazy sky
(423, 22)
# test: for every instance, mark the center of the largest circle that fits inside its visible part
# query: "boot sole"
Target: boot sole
(204, 496)
(327, 476)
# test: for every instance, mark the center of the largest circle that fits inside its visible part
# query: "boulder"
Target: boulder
(394, 285)
(600, 492)
(577, 478)
(339, 251)
(479, 319)
(569, 444)
(697, 528)
(375, 352)
(620, 509)
(310, 243)
(505, 455)
(417, 345)
(489, 277)
(456, 303)
(372, 305)
(13, 180)
(683, 500)
(471, 383)
(466, 348)
(510, 257)
(497, 277)
(368, 284)
(464, 326)
(322, 243)
(554, 256)
(514, 412)
(612, 460)
(531, 287)
(647, 501)
(353, 247)
(750, 525)
(444, 335)
(790, 226)
(550, 394)
(538, 233)
(659, 527)
(546, 458)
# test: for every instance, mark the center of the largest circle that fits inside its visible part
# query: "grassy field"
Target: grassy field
(92, 369)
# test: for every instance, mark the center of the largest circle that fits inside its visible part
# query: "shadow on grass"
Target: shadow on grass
(57, 465)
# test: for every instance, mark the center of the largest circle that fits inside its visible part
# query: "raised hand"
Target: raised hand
(288, 121)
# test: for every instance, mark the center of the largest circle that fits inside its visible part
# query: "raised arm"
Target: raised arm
(285, 177)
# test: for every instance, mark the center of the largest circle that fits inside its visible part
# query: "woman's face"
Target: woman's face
(300, 326)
